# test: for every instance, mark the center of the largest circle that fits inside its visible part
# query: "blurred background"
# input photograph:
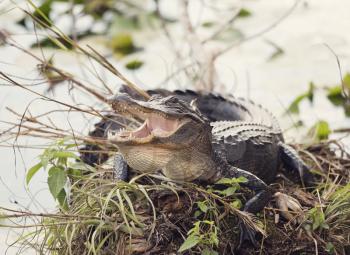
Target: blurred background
(293, 57)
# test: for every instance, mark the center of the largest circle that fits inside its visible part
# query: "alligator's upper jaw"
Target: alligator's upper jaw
(154, 125)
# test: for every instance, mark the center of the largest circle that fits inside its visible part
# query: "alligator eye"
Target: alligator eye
(172, 100)
(155, 97)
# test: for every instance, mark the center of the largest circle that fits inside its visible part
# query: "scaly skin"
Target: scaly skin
(221, 137)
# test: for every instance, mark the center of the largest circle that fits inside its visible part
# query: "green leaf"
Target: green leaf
(278, 51)
(240, 179)
(320, 130)
(62, 199)
(229, 191)
(202, 206)
(122, 43)
(190, 242)
(69, 146)
(231, 181)
(134, 64)
(197, 213)
(82, 167)
(330, 248)
(43, 11)
(46, 157)
(318, 218)
(346, 81)
(316, 223)
(73, 172)
(64, 154)
(294, 106)
(32, 171)
(63, 43)
(243, 13)
(208, 24)
(335, 95)
(209, 222)
(214, 238)
(195, 230)
(56, 181)
(236, 204)
(224, 181)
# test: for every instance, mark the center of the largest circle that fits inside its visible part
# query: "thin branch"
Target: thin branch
(260, 33)
(344, 91)
(43, 96)
(96, 56)
(104, 62)
(223, 27)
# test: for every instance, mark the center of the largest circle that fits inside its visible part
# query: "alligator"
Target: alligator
(194, 136)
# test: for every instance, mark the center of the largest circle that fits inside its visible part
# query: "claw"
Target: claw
(247, 234)
(120, 167)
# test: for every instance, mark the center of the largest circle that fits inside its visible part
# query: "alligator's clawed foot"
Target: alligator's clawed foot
(308, 180)
(247, 235)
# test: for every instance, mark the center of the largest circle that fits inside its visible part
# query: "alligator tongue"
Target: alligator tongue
(154, 124)
(161, 126)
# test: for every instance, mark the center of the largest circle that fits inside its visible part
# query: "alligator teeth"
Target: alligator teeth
(110, 135)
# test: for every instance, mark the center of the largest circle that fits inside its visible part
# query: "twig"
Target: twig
(43, 96)
(19, 214)
(98, 57)
(223, 27)
(260, 33)
(104, 62)
(170, 39)
(62, 73)
(345, 94)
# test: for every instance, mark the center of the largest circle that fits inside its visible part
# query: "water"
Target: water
(245, 69)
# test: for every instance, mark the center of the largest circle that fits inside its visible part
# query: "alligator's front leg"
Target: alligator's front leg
(120, 167)
(263, 194)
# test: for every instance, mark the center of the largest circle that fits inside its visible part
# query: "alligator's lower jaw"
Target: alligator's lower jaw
(117, 139)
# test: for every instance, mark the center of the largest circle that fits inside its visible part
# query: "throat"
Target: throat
(189, 165)
(139, 158)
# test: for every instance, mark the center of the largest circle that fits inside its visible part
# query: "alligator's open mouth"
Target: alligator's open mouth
(161, 118)
(154, 125)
